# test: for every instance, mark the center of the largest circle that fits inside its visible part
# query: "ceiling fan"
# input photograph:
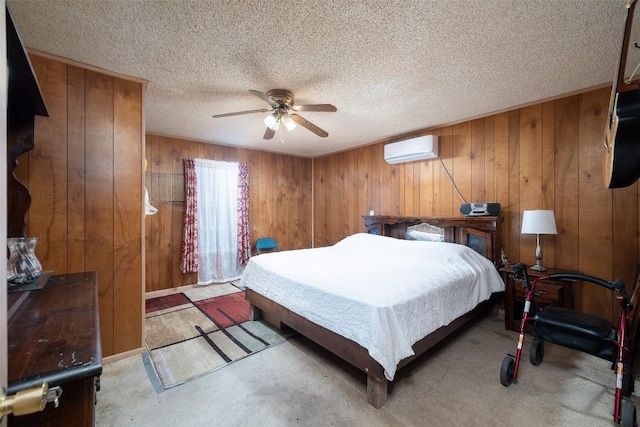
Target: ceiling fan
(283, 111)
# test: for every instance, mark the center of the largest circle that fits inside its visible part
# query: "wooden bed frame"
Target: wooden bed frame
(480, 233)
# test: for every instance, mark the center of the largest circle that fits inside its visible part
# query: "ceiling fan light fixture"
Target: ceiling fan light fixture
(281, 102)
(288, 122)
(272, 122)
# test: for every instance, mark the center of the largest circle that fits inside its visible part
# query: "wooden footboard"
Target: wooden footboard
(348, 350)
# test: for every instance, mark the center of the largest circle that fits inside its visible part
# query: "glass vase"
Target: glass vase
(23, 266)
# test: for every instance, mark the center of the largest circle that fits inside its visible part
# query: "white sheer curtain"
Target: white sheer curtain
(217, 194)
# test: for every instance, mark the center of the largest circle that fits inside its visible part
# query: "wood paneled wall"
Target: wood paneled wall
(544, 156)
(85, 177)
(279, 202)
(86, 183)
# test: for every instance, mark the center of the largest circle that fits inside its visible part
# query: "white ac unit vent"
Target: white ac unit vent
(423, 147)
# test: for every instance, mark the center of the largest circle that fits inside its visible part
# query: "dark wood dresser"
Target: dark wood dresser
(54, 337)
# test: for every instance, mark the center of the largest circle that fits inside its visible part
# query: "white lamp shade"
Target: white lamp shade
(538, 222)
(272, 122)
(288, 122)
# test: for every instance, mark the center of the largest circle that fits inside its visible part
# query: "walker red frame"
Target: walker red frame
(624, 352)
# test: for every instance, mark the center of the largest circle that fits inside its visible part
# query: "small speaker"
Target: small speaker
(480, 209)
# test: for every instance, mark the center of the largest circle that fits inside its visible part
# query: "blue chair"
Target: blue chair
(266, 244)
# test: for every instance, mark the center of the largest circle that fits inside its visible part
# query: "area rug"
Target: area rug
(200, 330)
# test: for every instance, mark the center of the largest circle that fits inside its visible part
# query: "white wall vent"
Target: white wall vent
(423, 147)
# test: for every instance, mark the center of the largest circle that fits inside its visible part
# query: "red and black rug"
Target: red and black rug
(200, 330)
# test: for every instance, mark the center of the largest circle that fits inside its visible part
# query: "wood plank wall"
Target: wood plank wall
(85, 176)
(279, 199)
(544, 156)
(86, 183)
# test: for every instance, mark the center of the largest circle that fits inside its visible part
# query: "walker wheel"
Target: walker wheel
(628, 413)
(506, 371)
(536, 354)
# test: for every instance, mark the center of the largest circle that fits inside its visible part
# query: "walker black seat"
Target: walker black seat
(580, 331)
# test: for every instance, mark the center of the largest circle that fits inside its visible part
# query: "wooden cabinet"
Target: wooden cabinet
(548, 292)
(54, 337)
(24, 102)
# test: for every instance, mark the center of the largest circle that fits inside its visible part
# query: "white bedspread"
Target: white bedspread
(383, 293)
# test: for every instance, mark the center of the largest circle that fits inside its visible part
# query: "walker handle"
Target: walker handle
(577, 276)
(520, 272)
(616, 285)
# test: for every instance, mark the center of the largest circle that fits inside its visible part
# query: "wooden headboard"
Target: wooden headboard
(480, 233)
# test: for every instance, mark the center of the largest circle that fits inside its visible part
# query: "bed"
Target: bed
(376, 299)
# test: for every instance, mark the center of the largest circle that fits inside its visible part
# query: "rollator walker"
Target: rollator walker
(583, 332)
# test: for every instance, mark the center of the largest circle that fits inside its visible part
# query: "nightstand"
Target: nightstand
(557, 292)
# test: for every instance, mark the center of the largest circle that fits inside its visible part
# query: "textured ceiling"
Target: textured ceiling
(390, 67)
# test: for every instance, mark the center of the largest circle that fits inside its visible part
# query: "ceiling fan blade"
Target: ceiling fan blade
(307, 124)
(315, 107)
(263, 110)
(269, 133)
(265, 98)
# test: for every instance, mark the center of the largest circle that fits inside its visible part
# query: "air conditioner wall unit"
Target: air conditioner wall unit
(423, 147)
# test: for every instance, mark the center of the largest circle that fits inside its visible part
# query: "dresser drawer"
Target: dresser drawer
(546, 292)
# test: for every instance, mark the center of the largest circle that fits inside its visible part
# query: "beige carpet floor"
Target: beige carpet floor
(299, 384)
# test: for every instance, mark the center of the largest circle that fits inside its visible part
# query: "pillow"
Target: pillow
(424, 236)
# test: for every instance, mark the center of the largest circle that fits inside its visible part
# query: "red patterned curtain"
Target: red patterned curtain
(190, 239)
(244, 241)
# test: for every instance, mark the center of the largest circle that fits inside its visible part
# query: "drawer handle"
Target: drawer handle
(538, 293)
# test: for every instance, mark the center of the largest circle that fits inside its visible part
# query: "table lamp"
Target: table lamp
(538, 222)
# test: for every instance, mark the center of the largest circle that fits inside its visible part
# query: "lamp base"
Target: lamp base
(538, 267)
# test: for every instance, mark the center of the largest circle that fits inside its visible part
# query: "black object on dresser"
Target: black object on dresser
(548, 292)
